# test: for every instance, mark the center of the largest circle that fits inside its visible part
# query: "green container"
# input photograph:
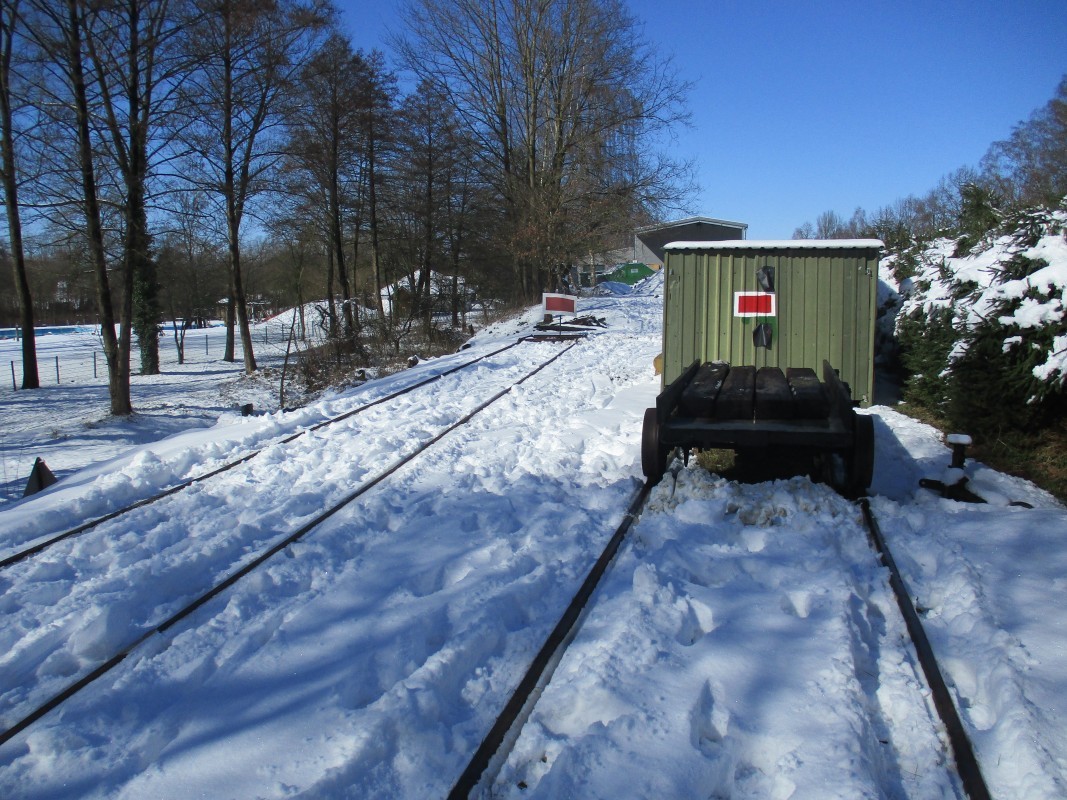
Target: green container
(630, 273)
(823, 306)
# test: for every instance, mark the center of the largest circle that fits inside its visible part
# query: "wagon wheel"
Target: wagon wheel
(653, 453)
(862, 454)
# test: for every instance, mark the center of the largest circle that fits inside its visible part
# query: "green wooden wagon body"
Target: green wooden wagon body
(825, 303)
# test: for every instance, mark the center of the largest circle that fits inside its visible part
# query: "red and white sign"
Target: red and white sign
(559, 303)
(755, 304)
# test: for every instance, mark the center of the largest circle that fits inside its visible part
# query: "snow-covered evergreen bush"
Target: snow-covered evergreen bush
(983, 335)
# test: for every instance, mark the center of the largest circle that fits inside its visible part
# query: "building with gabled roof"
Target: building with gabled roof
(650, 240)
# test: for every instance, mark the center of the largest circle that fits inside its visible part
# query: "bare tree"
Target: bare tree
(192, 267)
(828, 225)
(59, 32)
(461, 192)
(324, 151)
(377, 109)
(247, 52)
(106, 77)
(9, 21)
(296, 242)
(433, 195)
(565, 100)
(137, 71)
(1030, 166)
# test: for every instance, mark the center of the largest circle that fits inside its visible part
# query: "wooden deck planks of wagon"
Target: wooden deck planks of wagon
(762, 413)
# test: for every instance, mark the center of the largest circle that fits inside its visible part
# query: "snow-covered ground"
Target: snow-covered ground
(744, 644)
(67, 423)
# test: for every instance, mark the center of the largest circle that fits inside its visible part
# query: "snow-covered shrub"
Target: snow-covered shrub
(983, 336)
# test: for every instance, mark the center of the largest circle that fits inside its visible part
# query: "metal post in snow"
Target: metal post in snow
(205, 344)
(94, 364)
(14, 385)
(57, 370)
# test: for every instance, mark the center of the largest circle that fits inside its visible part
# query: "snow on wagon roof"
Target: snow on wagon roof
(778, 244)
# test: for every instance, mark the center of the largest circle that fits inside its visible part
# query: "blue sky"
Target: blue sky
(801, 107)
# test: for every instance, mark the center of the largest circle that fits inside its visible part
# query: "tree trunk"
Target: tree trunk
(229, 352)
(424, 301)
(375, 253)
(239, 301)
(30, 376)
(179, 336)
(331, 308)
(116, 348)
(231, 192)
(300, 310)
(337, 242)
(144, 284)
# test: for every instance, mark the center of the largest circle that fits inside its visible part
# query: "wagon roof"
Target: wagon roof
(780, 244)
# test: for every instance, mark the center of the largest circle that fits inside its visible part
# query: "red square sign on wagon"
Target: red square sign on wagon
(755, 304)
(559, 303)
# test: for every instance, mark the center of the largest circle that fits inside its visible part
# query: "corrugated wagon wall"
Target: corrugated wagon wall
(826, 306)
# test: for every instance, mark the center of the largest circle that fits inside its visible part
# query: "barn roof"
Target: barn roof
(661, 226)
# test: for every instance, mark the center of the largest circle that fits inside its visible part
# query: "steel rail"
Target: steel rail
(490, 755)
(40, 547)
(251, 565)
(496, 745)
(966, 762)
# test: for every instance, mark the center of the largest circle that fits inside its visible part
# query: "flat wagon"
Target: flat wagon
(767, 348)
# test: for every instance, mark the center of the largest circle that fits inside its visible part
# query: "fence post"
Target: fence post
(14, 385)
(205, 344)
(57, 370)
(94, 365)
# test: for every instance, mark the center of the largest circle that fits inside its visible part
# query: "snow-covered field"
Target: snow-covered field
(67, 423)
(744, 644)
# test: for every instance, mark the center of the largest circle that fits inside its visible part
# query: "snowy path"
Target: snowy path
(1004, 661)
(137, 476)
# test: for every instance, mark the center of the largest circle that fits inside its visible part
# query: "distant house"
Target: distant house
(650, 240)
(632, 264)
(258, 308)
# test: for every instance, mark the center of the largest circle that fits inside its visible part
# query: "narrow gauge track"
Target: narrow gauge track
(43, 545)
(966, 761)
(496, 746)
(43, 708)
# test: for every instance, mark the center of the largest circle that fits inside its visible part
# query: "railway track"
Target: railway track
(24, 709)
(962, 749)
(496, 747)
(44, 543)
